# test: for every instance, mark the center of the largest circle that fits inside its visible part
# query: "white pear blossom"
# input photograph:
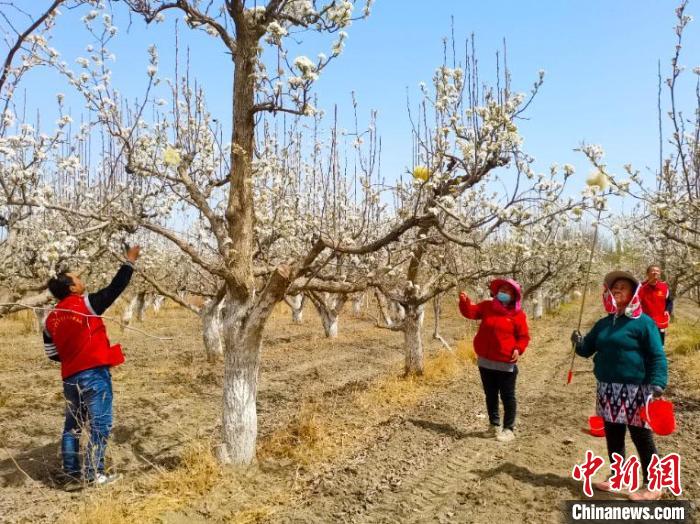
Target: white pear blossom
(306, 67)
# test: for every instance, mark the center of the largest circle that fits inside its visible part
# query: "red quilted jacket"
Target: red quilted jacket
(501, 330)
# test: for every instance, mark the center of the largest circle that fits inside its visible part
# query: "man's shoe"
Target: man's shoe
(70, 482)
(506, 435)
(102, 480)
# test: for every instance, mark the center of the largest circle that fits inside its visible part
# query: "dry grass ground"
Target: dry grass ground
(342, 436)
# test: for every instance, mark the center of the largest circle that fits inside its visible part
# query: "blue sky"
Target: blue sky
(600, 59)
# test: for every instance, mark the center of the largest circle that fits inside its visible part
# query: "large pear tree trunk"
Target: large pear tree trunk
(241, 366)
(242, 323)
(413, 310)
(246, 309)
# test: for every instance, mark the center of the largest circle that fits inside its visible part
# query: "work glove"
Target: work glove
(657, 391)
(576, 338)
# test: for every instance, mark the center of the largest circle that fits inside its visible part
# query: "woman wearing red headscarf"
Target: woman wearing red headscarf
(500, 341)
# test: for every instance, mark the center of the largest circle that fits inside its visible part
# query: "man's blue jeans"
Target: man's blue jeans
(88, 401)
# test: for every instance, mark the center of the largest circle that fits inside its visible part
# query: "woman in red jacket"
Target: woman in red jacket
(502, 338)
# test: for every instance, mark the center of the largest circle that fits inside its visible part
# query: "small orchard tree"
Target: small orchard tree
(470, 134)
(667, 217)
(310, 183)
(52, 213)
(548, 259)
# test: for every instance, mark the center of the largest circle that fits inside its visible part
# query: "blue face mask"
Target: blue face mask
(503, 297)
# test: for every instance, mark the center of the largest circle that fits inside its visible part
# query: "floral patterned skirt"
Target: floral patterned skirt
(622, 403)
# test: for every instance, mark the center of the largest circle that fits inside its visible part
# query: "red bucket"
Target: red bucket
(596, 426)
(659, 415)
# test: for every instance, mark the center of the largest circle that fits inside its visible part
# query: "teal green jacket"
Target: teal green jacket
(626, 351)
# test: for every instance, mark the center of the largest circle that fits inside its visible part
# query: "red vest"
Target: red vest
(653, 300)
(81, 340)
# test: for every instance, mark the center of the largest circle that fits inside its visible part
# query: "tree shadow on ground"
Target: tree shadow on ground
(43, 464)
(542, 480)
(444, 429)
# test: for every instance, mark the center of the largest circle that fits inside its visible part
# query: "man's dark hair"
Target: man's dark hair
(60, 284)
(653, 265)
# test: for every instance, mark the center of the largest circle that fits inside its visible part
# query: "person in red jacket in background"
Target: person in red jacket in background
(656, 299)
(75, 335)
(500, 341)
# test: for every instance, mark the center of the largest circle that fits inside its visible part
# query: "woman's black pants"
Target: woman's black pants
(642, 438)
(500, 383)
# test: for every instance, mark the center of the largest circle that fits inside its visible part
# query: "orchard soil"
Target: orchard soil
(342, 436)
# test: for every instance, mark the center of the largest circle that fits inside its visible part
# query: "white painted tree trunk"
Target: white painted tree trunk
(330, 323)
(241, 365)
(437, 310)
(329, 307)
(211, 329)
(158, 303)
(140, 307)
(296, 304)
(383, 306)
(298, 316)
(38, 317)
(538, 309)
(357, 301)
(397, 310)
(551, 303)
(128, 313)
(413, 343)
(148, 302)
(557, 302)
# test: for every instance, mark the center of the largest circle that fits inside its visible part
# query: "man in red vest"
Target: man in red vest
(75, 336)
(656, 299)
